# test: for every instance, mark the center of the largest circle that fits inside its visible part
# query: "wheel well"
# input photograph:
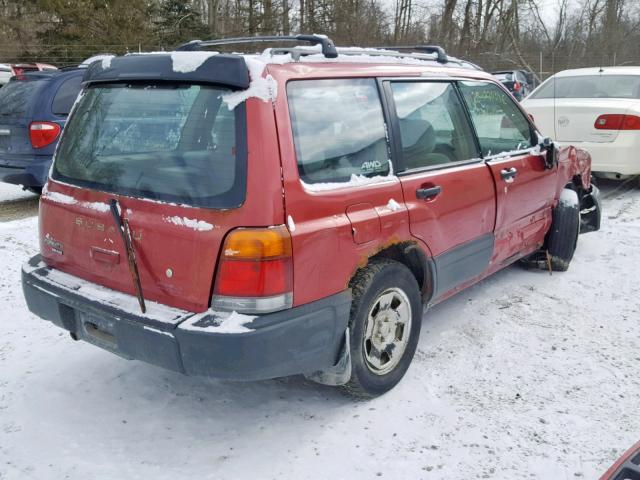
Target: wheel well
(576, 185)
(412, 256)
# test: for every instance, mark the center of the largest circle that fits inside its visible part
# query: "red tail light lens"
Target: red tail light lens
(517, 86)
(617, 121)
(255, 273)
(42, 134)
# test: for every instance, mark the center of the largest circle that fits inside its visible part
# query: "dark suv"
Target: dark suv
(292, 212)
(33, 111)
(519, 82)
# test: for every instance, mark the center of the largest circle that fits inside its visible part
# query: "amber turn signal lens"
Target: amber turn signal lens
(258, 243)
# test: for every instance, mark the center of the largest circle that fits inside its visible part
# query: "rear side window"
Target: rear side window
(17, 97)
(434, 129)
(338, 129)
(591, 86)
(66, 95)
(166, 142)
(499, 123)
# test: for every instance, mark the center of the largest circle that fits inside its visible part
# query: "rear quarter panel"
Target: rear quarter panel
(325, 252)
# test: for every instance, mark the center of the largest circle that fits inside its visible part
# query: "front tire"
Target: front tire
(386, 316)
(564, 231)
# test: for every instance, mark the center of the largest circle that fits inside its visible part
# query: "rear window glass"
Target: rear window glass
(17, 97)
(66, 95)
(338, 129)
(175, 143)
(591, 86)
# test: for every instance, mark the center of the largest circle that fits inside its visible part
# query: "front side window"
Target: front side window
(169, 142)
(499, 123)
(434, 129)
(338, 129)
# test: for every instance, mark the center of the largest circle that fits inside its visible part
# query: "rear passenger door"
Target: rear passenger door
(447, 188)
(524, 187)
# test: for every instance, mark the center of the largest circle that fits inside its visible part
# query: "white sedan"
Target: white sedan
(597, 109)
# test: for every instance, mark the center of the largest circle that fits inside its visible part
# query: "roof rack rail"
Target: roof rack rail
(441, 55)
(328, 47)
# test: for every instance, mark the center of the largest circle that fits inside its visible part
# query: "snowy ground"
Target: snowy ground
(523, 376)
(16, 203)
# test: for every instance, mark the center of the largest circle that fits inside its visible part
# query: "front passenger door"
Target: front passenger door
(524, 186)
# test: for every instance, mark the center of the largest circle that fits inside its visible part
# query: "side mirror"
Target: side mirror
(547, 146)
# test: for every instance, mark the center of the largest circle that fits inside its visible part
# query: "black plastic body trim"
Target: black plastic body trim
(463, 263)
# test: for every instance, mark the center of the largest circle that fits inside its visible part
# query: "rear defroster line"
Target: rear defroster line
(125, 233)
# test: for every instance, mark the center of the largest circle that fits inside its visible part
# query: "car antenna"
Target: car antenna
(125, 233)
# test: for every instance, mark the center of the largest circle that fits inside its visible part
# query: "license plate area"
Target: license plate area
(99, 331)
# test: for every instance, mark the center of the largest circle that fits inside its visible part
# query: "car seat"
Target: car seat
(419, 144)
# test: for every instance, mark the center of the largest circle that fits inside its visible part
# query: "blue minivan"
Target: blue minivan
(33, 111)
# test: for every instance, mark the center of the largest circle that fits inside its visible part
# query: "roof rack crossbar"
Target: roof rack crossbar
(297, 52)
(328, 47)
(441, 55)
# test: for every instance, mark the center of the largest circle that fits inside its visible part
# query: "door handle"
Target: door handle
(430, 192)
(509, 174)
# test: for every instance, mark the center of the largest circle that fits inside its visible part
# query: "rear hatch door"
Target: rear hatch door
(176, 159)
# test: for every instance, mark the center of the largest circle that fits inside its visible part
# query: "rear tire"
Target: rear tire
(563, 234)
(386, 316)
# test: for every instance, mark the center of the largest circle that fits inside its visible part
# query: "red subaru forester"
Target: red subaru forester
(292, 212)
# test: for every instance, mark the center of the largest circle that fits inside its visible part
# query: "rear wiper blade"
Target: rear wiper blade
(125, 233)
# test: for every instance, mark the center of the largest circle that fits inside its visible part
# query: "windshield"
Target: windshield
(17, 97)
(174, 142)
(591, 86)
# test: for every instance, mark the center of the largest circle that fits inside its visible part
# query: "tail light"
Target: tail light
(255, 272)
(617, 121)
(517, 86)
(42, 134)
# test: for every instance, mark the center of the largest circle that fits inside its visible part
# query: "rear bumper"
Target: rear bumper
(27, 170)
(299, 340)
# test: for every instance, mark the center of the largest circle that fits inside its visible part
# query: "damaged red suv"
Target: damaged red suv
(292, 212)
